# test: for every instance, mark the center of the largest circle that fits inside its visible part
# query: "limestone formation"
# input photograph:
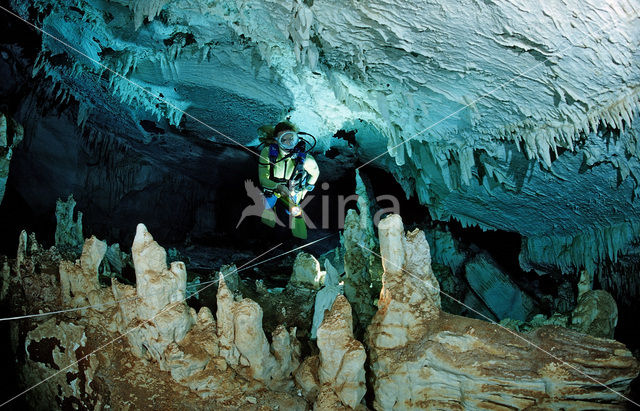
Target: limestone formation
(335, 379)
(79, 281)
(342, 357)
(58, 345)
(422, 357)
(445, 249)
(409, 298)
(357, 265)
(228, 361)
(499, 293)
(11, 134)
(6, 278)
(151, 347)
(585, 283)
(68, 236)
(596, 314)
(306, 272)
(325, 297)
(115, 260)
(244, 345)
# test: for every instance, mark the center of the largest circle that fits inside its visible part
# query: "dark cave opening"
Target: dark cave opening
(199, 213)
(211, 234)
(504, 247)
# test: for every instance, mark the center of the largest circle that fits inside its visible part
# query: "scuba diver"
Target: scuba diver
(287, 172)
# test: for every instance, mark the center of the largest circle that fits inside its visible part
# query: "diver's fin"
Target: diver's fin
(299, 227)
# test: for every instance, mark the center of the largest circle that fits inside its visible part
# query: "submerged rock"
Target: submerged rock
(500, 294)
(596, 314)
(11, 134)
(325, 297)
(306, 272)
(335, 379)
(68, 237)
(228, 362)
(244, 344)
(79, 281)
(422, 357)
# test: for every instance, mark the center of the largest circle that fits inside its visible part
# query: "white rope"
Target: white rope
(420, 280)
(99, 348)
(130, 81)
(20, 317)
(274, 257)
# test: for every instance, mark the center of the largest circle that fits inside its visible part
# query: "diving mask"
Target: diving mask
(288, 140)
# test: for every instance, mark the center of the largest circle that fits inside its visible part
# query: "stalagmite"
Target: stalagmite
(342, 357)
(325, 297)
(362, 279)
(306, 272)
(596, 314)
(79, 281)
(244, 344)
(422, 357)
(335, 379)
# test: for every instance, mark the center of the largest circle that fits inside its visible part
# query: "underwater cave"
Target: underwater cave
(319, 205)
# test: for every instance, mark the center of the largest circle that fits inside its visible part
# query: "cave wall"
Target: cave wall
(515, 116)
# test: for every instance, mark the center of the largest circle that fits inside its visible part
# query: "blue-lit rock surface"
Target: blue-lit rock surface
(513, 116)
(516, 117)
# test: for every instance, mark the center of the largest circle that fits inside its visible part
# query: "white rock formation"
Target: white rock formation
(79, 281)
(325, 297)
(244, 344)
(156, 307)
(227, 359)
(342, 358)
(596, 314)
(306, 272)
(422, 357)
(335, 379)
